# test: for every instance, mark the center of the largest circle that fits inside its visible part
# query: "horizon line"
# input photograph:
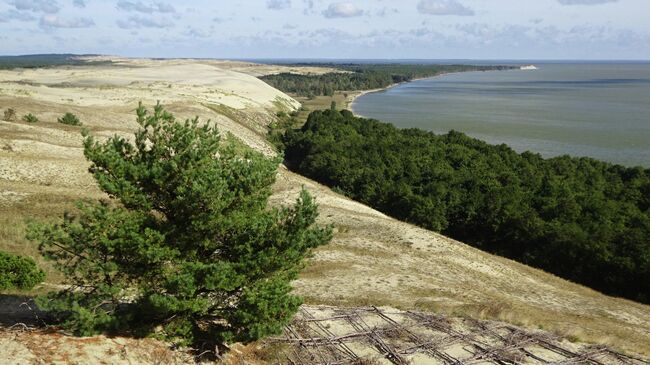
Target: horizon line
(340, 59)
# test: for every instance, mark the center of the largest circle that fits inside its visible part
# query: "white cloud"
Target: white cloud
(309, 7)
(197, 33)
(41, 6)
(278, 4)
(54, 21)
(386, 11)
(157, 7)
(585, 2)
(443, 7)
(79, 3)
(12, 14)
(134, 22)
(342, 10)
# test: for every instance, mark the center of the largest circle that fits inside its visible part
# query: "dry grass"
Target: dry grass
(14, 220)
(257, 353)
(342, 100)
(43, 347)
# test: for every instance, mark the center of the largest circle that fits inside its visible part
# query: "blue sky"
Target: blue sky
(427, 29)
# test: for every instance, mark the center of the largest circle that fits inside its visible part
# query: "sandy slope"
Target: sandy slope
(373, 259)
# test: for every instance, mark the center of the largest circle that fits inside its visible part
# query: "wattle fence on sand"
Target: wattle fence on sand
(334, 335)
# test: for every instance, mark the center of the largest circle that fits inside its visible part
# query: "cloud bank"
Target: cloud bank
(54, 21)
(444, 7)
(586, 2)
(42, 6)
(278, 4)
(342, 10)
(482, 29)
(141, 7)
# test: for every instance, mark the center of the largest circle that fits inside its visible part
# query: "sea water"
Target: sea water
(599, 110)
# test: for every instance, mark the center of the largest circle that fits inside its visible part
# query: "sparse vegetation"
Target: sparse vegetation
(283, 122)
(18, 272)
(230, 113)
(69, 119)
(30, 118)
(187, 248)
(10, 115)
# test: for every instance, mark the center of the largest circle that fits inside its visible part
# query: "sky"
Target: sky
(363, 29)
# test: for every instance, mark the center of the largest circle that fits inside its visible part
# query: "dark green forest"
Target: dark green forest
(582, 219)
(45, 60)
(362, 77)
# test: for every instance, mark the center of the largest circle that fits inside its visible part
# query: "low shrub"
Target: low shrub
(18, 272)
(10, 115)
(30, 118)
(69, 119)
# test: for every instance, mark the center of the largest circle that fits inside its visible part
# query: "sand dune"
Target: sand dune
(373, 259)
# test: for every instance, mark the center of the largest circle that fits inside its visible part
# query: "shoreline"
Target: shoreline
(356, 94)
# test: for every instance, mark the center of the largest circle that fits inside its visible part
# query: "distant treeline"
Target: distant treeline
(582, 219)
(45, 60)
(362, 77)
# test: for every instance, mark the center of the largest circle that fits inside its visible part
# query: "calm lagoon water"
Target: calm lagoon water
(596, 110)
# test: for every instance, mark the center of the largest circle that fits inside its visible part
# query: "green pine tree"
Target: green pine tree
(187, 246)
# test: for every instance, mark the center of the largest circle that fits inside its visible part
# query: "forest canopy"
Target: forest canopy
(585, 220)
(48, 60)
(362, 77)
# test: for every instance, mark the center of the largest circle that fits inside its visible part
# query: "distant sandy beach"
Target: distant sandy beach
(356, 94)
